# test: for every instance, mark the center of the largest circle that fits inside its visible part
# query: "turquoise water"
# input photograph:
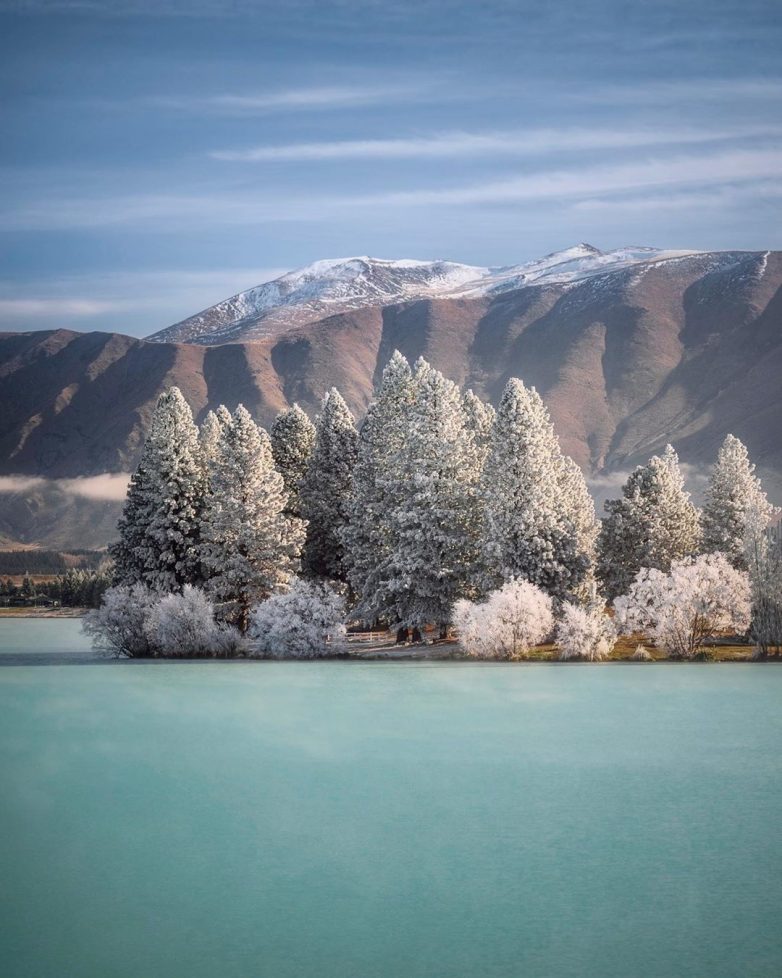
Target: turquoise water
(388, 820)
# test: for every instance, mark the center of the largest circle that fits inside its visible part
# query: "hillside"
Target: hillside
(682, 347)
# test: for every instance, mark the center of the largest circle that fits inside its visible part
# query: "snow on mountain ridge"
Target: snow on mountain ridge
(330, 286)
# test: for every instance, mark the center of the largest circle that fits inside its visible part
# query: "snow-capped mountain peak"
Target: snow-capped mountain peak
(331, 286)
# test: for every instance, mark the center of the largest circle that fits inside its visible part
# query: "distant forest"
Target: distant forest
(15, 562)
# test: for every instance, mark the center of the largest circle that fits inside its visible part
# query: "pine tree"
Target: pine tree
(377, 483)
(533, 513)
(159, 528)
(480, 417)
(433, 549)
(293, 440)
(733, 490)
(250, 545)
(327, 487)
(579, 509)
(653, 524)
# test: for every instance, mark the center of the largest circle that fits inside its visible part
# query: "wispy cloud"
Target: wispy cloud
(109, 486)
(679, 91)
(242, 207)
(318, 97)
(514, 143)
(11, 309)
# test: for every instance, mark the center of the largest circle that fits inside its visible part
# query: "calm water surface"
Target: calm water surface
(385, 820)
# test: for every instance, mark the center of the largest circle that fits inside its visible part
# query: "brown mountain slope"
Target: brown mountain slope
(682, 350)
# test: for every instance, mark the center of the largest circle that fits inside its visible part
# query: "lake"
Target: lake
(385, 820)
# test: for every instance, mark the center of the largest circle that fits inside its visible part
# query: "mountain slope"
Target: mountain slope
(682, 348)
(327, 288)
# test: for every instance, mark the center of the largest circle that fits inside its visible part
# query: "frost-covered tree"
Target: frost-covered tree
(763, 559)
(584, 632)
(433, 541)
(327, 488)
(507, 624)
(479, 419)
(293, 439)
(159, 528)
(306, 622)
(528, 497)
(579, 510)
(184, 625)
(699, 598)
(732, 491)
(119, 626)
(377, 485)
(250, 546)
(653, 524)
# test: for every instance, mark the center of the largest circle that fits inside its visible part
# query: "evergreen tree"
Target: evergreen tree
(433, 544)
(377, 482)
(479, 417)
(653, 524)
(733, 490)
(533, 504)
(293, 439)
(579, 509)
(327, 487)
(250, 546)
(159, 529)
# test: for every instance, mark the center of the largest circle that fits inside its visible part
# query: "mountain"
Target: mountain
(328, 288)
(629, 349)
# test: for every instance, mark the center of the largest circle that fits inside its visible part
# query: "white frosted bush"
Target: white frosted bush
(307, 622)
(507, 624)
(119, 626)
(641, 654)
(698, 599)
(584, 633)
(184, 625)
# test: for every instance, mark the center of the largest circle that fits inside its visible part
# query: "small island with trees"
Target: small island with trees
(439, 521)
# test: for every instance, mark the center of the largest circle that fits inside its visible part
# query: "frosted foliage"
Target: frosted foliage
(653, 524)
(377, 485)
(763, 558)
(184, 625)
(159, 528)
(584, 632)
(733, 490)
(507, 624)
(293, 439)
(307, 622)
(699, 598)
(119, 626)
(250, 546)
(533, 507)
(433, 539)
(327, 488)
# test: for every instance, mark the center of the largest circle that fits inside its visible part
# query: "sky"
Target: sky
(159, 155)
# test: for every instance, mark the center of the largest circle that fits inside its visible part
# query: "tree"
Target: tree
(479, 419)
(377, 484)
(530, 509)
(733, 490)
(698, 598)
(306, 622)
(293, 440)
(184, 625)
(159, 528)
(507, 624)
(327, 487)
(119, 626)
(763, 559)
(433, 545)
(584, 632)
(579, 510)
(250, 546)
(653, 524)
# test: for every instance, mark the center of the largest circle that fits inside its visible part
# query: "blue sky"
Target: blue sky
(160, 156)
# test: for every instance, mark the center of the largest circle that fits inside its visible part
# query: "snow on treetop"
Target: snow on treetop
(331, 286)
